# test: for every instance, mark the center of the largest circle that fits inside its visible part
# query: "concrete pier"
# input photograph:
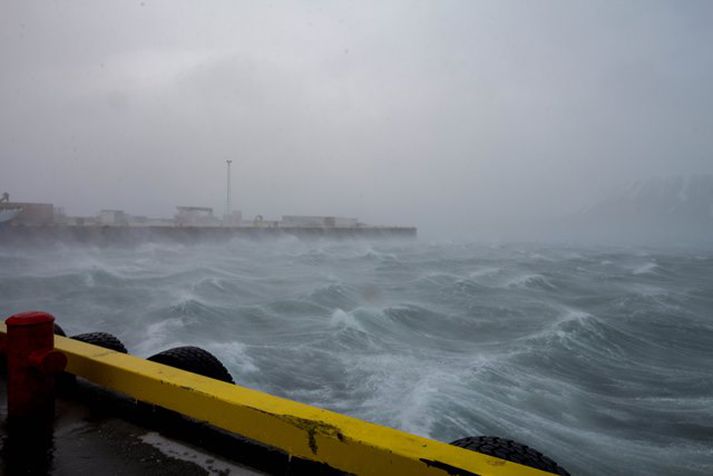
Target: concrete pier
(99, 235)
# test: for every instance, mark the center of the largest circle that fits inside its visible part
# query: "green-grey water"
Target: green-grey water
(599, 357)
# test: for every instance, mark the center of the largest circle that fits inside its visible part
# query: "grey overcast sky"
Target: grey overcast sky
(443, 114)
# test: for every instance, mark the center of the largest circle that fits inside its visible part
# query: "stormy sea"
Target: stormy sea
(600, 358)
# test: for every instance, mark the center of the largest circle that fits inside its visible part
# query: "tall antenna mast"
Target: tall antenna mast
(227, 199)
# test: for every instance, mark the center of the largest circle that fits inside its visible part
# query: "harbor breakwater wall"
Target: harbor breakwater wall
(101, 235)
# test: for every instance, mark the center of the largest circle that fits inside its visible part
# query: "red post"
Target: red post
(32, 364)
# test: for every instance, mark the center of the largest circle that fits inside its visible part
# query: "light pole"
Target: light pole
(227, 199)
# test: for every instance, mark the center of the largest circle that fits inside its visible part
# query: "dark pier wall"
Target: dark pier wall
(135, 235)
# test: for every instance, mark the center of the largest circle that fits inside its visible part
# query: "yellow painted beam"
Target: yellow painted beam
(300, 430)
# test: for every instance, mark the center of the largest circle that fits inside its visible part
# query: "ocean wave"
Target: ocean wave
(159, 336)
(335, 295)
(531, 281)
(571, 326)
(344, 320)
(646, 268)
(380, 256)
(403, 391)
(235, 356)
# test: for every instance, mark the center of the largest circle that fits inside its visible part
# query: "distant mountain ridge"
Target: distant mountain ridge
(663, 209)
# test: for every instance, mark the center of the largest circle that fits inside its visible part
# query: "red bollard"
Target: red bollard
(32, 365)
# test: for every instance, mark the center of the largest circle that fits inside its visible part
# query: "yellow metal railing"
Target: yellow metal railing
(300, 430)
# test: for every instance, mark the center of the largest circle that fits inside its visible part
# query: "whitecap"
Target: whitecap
(234, 355)
(341, 319)
(157, 335)
(381, 256)
(530, 281)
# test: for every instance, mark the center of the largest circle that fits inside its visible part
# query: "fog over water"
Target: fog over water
(461, 118)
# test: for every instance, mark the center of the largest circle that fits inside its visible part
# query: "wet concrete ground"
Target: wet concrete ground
(84, 441)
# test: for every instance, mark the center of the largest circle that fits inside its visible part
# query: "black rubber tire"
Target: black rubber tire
(102, 339)
(193, 359)
(511, 451)
(59, 331)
